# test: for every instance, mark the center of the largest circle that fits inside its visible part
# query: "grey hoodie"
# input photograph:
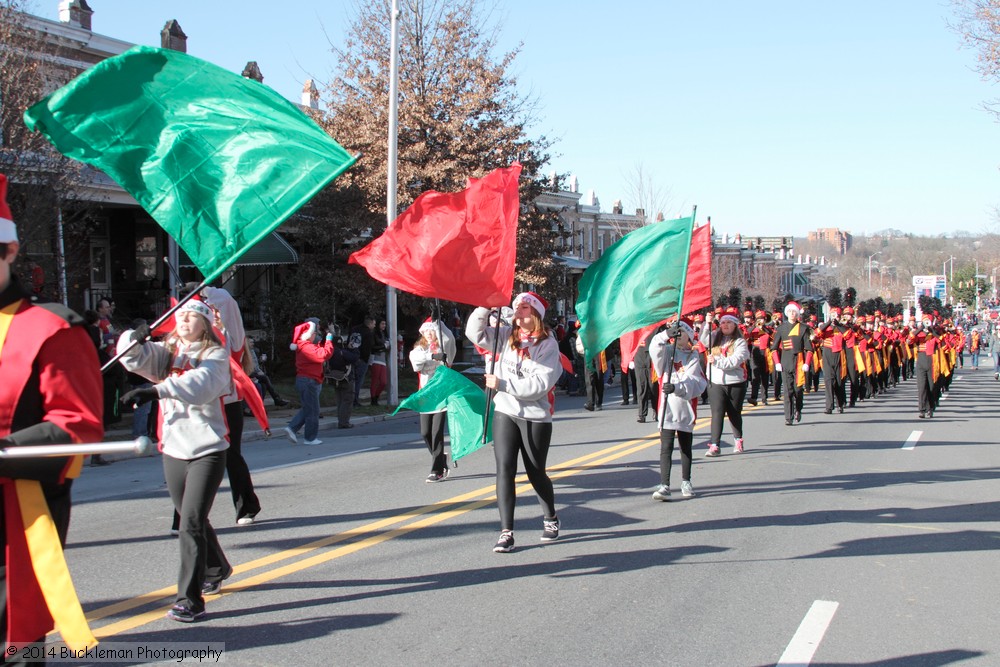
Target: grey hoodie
(191, 386)
(525, 376)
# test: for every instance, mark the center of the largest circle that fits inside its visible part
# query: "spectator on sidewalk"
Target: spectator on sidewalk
(339, 370)
(362, 339)
(380, 346)
(310, 355)
(261, 379)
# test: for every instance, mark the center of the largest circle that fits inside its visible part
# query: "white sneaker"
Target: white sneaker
(290, 434)
(662, 492)
(317, 441)
(738, 446)
(687, 490)
(244, 521)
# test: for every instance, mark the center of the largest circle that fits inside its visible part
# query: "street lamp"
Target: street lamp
(870, 267)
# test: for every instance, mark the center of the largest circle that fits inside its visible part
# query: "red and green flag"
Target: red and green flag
(466, 405)
(458, 246)
(218, 160)
(651, 274)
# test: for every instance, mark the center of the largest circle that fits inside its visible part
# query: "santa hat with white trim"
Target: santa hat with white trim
(8, 232)
(304, 331)
(533, 300)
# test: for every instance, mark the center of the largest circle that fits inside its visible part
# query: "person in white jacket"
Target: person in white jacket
(191, 376)
(436, 347)
(524, 379)
(727, 354)
(680, 387)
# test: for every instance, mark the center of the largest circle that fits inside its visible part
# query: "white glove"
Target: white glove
(777, 367)
(805, 368)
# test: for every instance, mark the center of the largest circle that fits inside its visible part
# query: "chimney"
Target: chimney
(75, 13)
(251, 71)
(310, 95)
(172, 37)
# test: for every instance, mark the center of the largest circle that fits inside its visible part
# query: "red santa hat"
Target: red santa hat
(686, 325)
(533, 300)
(8, 232)
(196, 305)
(304, 331)
(730, 315)
(792, 306)
(428, 325)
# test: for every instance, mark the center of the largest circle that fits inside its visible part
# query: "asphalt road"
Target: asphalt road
(859, 539)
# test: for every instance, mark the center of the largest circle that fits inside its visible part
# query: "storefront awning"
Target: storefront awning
(271, 250)
(572, 262)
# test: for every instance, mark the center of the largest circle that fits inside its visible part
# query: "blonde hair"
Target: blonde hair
(539, 331)
(208, 340)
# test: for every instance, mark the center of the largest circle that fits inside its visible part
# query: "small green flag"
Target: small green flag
(637, 281)
(465, 403)
(218, 160)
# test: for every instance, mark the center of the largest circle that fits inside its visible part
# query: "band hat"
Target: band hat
(760, 314)
(8, 231)
(533, 300)
(835, 311)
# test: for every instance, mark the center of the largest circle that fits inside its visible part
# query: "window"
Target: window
(147, 259)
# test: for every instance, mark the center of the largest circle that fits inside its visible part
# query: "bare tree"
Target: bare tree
(45, 188)
(644, 192)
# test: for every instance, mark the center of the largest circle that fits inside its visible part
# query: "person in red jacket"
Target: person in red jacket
(309, 359)
(51, 394)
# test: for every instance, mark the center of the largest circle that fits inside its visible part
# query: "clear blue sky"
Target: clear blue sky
(774, 118)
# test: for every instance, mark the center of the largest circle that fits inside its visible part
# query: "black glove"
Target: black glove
(674, 331)
(668, 388)
(141, 334)
(438, 356)
(140, 396)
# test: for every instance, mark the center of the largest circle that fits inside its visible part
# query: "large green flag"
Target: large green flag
(218, 160)
(637, 281)
(466, 405)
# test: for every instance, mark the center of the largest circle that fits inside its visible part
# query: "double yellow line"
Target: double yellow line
(363, 537)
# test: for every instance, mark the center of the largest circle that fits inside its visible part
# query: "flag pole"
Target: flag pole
(390, 206)
(680, 300)
(493, 365)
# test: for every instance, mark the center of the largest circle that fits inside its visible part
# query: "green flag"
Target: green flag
(637, 281)
(466, 405)
(218, 160)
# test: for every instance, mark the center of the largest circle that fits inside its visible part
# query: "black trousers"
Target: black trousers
(629, 388)
(646, 390)
(726, 400)
(836, 392)
(240, 483)
(926, 391)
(685, 440)
(432, 431)
(595, 386)
(793, 394)
(193, 485)
(531, 439)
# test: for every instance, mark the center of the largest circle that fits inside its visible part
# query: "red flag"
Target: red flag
(698, 284)
(566, 363)
(246, 390)
(457, 246)
(697, 291)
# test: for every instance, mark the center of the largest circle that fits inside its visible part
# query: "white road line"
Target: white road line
(313, 460)
(911, 442)
(801, 649)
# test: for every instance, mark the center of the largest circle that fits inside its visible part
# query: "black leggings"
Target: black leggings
(684, 439)
(726, 400)
(432, 431)
(510, 436)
